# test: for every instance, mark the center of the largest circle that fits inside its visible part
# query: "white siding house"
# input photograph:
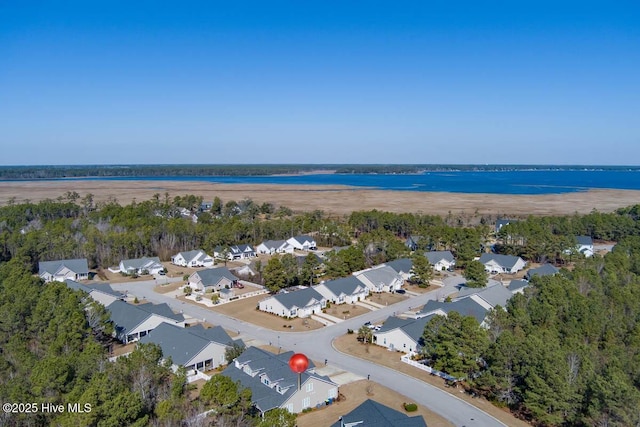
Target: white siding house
(59, 271)
(302, 243)
(299, 303)
(495, 263)
(380, 278)
(272, 247)
(345, 290)
(196, 258)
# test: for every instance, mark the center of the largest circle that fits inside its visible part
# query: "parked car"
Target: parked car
(400, 291)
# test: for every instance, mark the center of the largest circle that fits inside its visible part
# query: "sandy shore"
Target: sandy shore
(336, 200)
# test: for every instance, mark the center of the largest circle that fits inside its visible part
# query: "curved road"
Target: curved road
(318, 345)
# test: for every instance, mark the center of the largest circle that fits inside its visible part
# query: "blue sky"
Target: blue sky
(97, 82)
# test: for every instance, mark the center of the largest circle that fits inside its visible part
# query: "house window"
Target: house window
(306, 402)
(309, 387)
(266, 381)
(290, 407)
(385, 341)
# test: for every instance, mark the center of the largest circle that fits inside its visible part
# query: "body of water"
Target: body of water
(495, 182)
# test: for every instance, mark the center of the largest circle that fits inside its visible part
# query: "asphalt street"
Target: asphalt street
(317, 345)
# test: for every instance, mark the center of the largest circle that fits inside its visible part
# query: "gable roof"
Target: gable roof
(346, 285)
(544, 270)
(502, 222)
(436, 256)
(242, 248)
(105, 288)
(127, 316)
(197, 254)
(273, 244)
(299, 298)
(303, 238)
(465, 306)
(373, 414)
(140, 263)
(182, 344)
(78, 266)
(276, 368)
(380, 274)
(212, 276)
(401, 265)
(516, 284)
(507, 261)
(412, 327)
(584, 240)
(494, 295)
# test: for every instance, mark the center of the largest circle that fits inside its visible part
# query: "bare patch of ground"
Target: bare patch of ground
(350, 345)
(386, 298)
(346, 311)
(357, 392)
(165, 289)
(339, 200)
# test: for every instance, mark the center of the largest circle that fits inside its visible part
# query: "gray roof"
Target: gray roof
(543, 270)
(182, 344)
(502, 222)
(466, 307)
(78, 266)
(346, 285)
(381, 274)
(276, 368)
(435, 256)
(584, 240)
(373, 414)
(304, 238)
(105, 288)
(412, 327)
(127, 316)
(299, 298)
(138, 263)
(494, 295)
(242, 248)
(273, 244)
(211, 276)
(190, 255)
(515, 284)
(507, 261)
(402, 265)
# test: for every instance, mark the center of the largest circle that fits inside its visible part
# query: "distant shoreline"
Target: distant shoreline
(333, 199)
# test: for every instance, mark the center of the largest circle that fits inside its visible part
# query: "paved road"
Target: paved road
(317, 345)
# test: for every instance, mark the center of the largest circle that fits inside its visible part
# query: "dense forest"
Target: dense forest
(83, 171)
(567, 352)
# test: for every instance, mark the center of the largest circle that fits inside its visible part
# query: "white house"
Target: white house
(151, 265)
(298, 303)
(496, 294)
(303, 243)
(465, 307)
(345, 290)
(196, 258)
(195, 348)
(102, 293)
(61, 270)
(402, 266)
(132, 322)
(236, 252)
(585, 245)
(272, 247)
(496, 263)
(402, 334)
(213, 279)
(274, 385)
(380, 278)
(441, 260)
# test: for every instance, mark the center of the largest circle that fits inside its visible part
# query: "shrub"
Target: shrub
(410, 407)
(349, 331)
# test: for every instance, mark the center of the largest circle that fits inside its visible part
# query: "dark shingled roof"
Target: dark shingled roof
(435, 256)
(402, 265)
(466, 307)
(584, 240)
(346, 285)
(212, 276)
(515, 284)
(78, 266)
(543, 270)
(373, 414)
(299, 298)
(105, 288)
(507, 261)
(127, 316)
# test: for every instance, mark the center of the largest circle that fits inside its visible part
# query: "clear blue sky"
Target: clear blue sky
(523, 82)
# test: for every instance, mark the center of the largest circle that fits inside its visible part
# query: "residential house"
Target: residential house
(272, 247)
(412, 242)
(297, 303)
(488, 297)
(402, 334)
(205, 206)
(195, 348)
(303, 243)
(544, 270)
(102, 293)
(373, 414)
(61, 270)
(517, 286)
(212, 279)
(380, 278)
(196, 258)
(501, 223)
(585, 245)
(141, 266)
(132, 322)
(402, 266)
(441, 260)
(345, 290)
(497, 263)
(465, 307)
(274, 385)
(235, 252)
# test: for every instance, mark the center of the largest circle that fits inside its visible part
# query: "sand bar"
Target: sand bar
(337, 200)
